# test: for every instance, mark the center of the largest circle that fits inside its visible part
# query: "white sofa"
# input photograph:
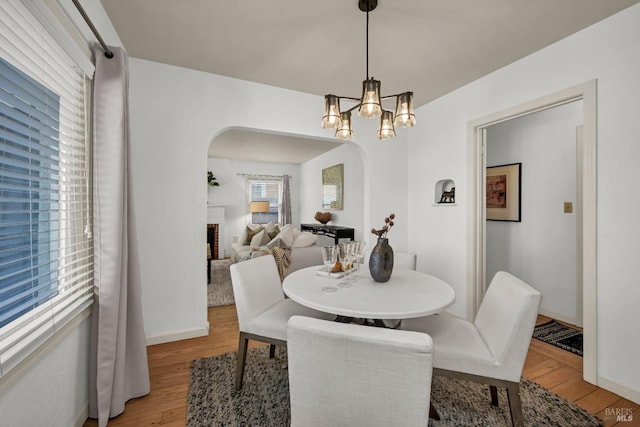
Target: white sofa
(304, 252)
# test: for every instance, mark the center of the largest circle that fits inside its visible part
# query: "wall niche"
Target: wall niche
(445, 193)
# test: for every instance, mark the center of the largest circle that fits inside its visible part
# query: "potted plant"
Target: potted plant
(211, 179)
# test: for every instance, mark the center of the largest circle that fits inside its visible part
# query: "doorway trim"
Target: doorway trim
(476, 245)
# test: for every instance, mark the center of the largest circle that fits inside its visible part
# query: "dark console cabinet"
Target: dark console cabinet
(335, 231)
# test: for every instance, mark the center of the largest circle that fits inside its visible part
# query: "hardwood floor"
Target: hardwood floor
(561, 372)
(558, 370)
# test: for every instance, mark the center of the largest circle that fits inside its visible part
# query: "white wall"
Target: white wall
(51, 388)
(608, 52)
(352, 214)
(541, 249)
(232, 194)
(175, 114)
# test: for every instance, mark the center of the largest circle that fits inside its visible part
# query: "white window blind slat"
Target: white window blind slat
(24, 15)
(46, 255)
(21, 343)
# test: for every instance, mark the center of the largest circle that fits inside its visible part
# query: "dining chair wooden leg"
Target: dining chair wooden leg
(433, 412)
(272, 351)
(515, 405)
(242, 357)
(494, 395)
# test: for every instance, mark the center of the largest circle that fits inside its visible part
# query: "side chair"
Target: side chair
(354, 375)
(404, 260)
(492, 349)
(262, 308)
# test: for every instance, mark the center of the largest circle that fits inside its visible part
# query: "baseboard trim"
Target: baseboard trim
(82, 416)
(619, 389)
(179, 336)
(561, 317)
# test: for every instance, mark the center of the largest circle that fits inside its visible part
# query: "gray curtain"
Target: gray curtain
(119, 369)
(286, 201)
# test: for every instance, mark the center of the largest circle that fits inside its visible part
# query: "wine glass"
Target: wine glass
(345, 256)
(353, 257)
(329, 258)
(360, 248)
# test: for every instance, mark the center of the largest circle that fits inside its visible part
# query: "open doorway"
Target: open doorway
(477, 163)
(539, 245)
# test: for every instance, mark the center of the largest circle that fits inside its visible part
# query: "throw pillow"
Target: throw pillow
(274, 243)
(250, 232)
(243, 238)
(285, 236)
(270, 227)
(256, 240)
(273, 233)
(265, 238)
(304, 239)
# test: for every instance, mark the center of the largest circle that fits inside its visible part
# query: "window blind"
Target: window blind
(46, 251)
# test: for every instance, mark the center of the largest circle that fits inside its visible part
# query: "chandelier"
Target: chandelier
(370, 103)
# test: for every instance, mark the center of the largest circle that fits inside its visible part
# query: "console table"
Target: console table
(335, 231)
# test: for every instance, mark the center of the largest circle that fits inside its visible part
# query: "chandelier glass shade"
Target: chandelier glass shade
(386, 130)
(331, 118)
(344, 130)
(404, 110)
(369, 105)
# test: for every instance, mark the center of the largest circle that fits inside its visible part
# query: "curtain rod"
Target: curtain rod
(263, 175)
(107, 52)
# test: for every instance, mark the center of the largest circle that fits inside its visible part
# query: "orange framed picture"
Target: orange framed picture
(503, 192)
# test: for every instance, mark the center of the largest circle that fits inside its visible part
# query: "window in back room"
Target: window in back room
(265, 199)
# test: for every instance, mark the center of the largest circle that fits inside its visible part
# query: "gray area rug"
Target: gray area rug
(264, 398)
(220, 291)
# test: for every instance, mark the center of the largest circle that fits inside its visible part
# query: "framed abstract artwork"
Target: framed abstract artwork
(503, 192)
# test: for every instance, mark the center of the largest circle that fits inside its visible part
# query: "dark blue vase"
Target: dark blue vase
(381, 261)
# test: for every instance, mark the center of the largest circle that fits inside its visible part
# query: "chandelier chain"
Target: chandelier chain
(367, 40)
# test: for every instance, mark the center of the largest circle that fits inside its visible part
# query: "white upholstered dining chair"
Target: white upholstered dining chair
(404, 260)
(492, 349)
(353, 375)
(262, 308)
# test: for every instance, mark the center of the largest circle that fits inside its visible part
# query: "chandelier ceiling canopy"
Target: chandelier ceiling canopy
(370, 103)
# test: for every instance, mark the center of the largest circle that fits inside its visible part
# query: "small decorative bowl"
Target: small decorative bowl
(323, 217)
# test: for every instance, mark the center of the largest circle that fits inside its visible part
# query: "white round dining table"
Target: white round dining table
(406, 295)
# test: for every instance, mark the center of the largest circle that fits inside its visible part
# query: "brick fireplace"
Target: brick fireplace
(213, 239)
(215, 231)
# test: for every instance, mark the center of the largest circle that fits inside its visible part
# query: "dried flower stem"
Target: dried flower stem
(388, 223)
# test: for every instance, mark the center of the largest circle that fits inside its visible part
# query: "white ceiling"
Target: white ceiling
(426, 46)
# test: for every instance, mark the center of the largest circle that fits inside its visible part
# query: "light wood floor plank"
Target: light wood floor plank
(556, 377)
(621, 407)
(597, 401)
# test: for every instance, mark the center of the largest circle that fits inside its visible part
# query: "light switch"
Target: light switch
(568, 207)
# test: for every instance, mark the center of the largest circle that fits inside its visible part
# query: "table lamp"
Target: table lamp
(259, 207)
